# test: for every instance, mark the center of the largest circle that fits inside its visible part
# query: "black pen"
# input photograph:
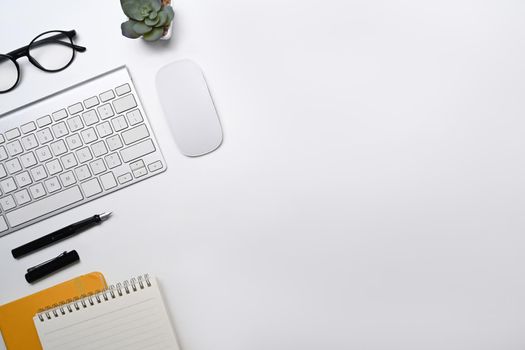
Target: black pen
(59, 235)
(53, 265)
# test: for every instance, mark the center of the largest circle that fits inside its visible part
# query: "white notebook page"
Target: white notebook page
(137, 320)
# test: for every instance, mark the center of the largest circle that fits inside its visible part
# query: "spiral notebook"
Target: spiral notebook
(130, 315)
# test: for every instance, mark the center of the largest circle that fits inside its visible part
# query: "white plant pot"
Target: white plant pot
(167, 35)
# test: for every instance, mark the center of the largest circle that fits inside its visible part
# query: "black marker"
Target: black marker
(59, 235)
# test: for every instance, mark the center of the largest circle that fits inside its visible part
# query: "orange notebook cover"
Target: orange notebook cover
(16, 318)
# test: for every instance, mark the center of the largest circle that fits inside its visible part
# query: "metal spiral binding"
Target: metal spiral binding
(84, 301)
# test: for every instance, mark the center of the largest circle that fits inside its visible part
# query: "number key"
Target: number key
(60, 129)
(29, 141)
(14, 148)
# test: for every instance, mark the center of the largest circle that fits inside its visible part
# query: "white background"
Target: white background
(369, 193)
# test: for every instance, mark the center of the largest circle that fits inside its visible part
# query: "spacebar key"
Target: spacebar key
(44, 206)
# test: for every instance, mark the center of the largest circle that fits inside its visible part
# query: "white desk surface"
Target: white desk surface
(370, 190)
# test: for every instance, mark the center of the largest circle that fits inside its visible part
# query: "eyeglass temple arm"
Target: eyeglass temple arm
(52, 39)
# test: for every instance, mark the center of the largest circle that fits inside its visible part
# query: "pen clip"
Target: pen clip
(45, 262)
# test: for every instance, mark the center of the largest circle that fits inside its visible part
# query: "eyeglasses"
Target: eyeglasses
(51, 52)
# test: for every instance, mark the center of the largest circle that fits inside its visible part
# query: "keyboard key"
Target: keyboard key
(137, 150)
(105, 111)
(99, 148)
(134, 117)
(135, 134)
(76, 108)
(44, 135)
(140, 172)
(119, 123)
(7, 202)
(53, 167)
(12, 134)
(43, 153)
(22, 197)
(2, 139)
(3, 153)
(13, 165)
(98, 166)
(52, 185)
(28, 127)
(91, 187)
(88, 135)
(108, 181)
(75, 123)
(67, 178)
(23, 179)
(28, 159)
(136, 165)
(104, 129)
(90, 117)
(8, 185)
(125, 178)
(74, 141)
(60, 129)
(38, 173)
(106, 96)
(44, 206)
(59, 115)
(123, 89)
(37, 191)
(155, 166)
(82, 172)
(14, 148)
(84, 154)
(69, 161)
(114, 142)
(91, 102)
(3, 224)
(3, 172)
(113, 160)
(58, 147)
(29, 142)
(43, 121)
(124, 103)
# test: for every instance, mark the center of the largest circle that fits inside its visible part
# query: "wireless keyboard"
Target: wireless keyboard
(72, 147)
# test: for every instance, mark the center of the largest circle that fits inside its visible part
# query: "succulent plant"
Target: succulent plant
(147, 18)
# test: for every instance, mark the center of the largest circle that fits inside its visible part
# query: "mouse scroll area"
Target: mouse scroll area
(189, 108)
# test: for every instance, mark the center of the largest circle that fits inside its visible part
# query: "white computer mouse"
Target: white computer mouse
(189, 108)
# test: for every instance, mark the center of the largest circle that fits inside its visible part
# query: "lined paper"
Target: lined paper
(133, 321)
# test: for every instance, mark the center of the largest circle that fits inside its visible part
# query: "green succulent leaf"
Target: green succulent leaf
(162, 19)
(127, 30)
(152, 22)
(153, 15)
(132, 9)
(154, 34)
(140, 9)
(166, 16)
(155, 4)
(141, 28)
(169, 11)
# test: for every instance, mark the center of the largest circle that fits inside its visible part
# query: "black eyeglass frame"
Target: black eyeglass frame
(13, 56)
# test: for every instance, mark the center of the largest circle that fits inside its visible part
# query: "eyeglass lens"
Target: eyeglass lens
(53, 50)
(8, 73)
